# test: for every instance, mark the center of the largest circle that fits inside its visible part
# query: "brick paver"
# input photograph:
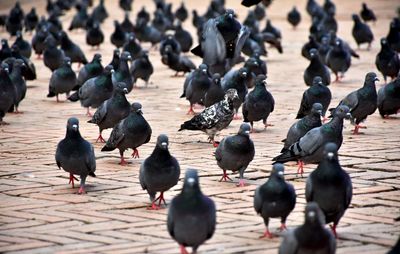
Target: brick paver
(40, 213)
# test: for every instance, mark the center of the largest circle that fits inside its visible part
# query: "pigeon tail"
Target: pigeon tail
(92, 174)
(107, 148)
(74, 97)
(290, 154)
(51, 94)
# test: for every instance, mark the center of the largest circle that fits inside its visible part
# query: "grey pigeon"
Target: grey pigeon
(197, 87)
(62, 80)
(159, 172)
(275, 199)
(95, 90)
(236, 79)
(126, 25)
(53, 57)
(131, 132)
(99, 12)
(316, 68)
(7, 92)
(115, 59)
(311, 237)
(362, 102)
(192, 215)
(147, 33)
(387, 61)
(259, 103)
(389, 98)
(177, 62)
(31, 20)
(311, 44)
(215, 93)
(181, 13)
(183, 37)
(122, 74)
(72, 50)
(142, 68)
(112, 110)
(338, 59)
(94, 35)
(133, 47)
(235, 153)
(215, 118)
(75, 155)
(367, 14)
(118, 37)
(19, 83)
(80, 18)
(393, 36)
(294, 17)
(318, 92)
(311, 120)
(361, 32)
(90, 70)
(330, 187)
(171, 41)
(24, 46)
(310, 147)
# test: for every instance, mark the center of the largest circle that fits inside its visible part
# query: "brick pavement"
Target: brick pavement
(40, 213)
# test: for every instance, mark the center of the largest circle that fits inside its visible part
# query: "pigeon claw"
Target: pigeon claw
(267, 234)
(225, 177)
(135, 153)
(356, 129)
(88, 113)
(215, 144)
(160, 200)
(183, 249)
(71, 180)
(100, 139)
(81, 190)
(190, 111)
(333, 228)
(241, 183)
(282, 227)
(123, 162)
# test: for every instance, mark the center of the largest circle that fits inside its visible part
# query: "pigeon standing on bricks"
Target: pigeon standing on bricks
(387, 61)
(316, 68)
(389, 98)
(7, 92)
(361, 32)
(62, 80)
(338, 59)
(90, 70)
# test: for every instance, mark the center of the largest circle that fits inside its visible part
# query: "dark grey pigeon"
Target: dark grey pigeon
(24, 46)
(183, 37)
(53, 57)
(318, 92)
(367, 14)
(181, 13)
(192, 215)
(142, 68)
(171, 41)
(131, 132)
(259, 103)
(324, 48)
(126, 25)
(338, 59)
(112, 110)
(275, 199)
(304, 125)
(72, 50)
(235, 153)
(147, 33)
(122, 74)
(118, 37)
(311, 237)
(389, 98)
(361, 32)
(269, 28)
(316, 68)
(90, 70)
(311, 44)
(31, 20)
(393, 36)
(215, 118)
(99, 12)
(362, 102)
(215, 93)
(94, 35)
(62, 80)
(159, 172)
(5, 51)
(133, 47)
(387, 61)
(236, 79)
(75, 155)
(29, 70)
(310, 148)
(197, 86)
(177, 62)
(330, 187)
(7, 92)
(19, 83)
(95, 90)
(333, 37)
(294, 17)
(80, 18)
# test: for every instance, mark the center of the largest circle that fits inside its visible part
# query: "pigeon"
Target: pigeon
(256, 66)
(95, 90)
(311, 44)
(294, 17)
(311, 237)
(115, 59)
(309, 121)
(132, 132)
(147, 33)
(62, 80)
(3, 19)
(161, 22)
(53, 57)
(215, 118)
(90, 70)
(313, 8)
(126, 5)
(159, 172)
(197, 86)
(171, 41)
(259, 103)
(19, 83)
(235, 153)
(38, 39)
(31, 20)
(184, 38)
(338, 59)
(126, 25)
(275, 198)
(324, 48)
(329, 23)
(249, 3)
(330, 187)
(329, 7)
(7, 92)
(142, 68)
(177, 62)
(143, 15)
(362, 102)
(310, 147)
(133, 47)
(118, 37)
(367, 14)
(191, 216)
(29, 70)
(269, 28)
(182, 13)
(14, 19)
(94, 36)
(24, 46)
(389, 98)
(236, 79)
(318, 92)
(259, 12)
(76, 155)
(316, 68)
(122, 74)
(112, 110)
(5, 51)
(393, 36)
(72, 50)
(80, 18)
(387, 61)
(215, 93)
(100, 13)
(361, 32)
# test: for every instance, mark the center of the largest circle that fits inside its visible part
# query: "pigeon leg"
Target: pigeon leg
(333, 228)
(57, 98)
(369, 46)
(39, 56)
(300, 169)
(236, 117)
(241, 183)
(357, 127)
(82, 186)
(191, 111)
(225, 177)
(252, 130)
(88, 112)
(123, 162)
(324, 119)
(17, 111)
(100, 139)
(3, 123)
(241, 180)
(71, 180)
(161, 199)
(135, 153)
(215, 143)
(79, 65)
(282, 227)
(183, 249)
(337, 79)
(267, 234)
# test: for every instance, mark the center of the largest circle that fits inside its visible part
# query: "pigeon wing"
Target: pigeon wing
(289, 244)
(213, 44)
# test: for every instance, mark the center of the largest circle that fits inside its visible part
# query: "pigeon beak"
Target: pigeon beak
(320, 83)
(319, 112)
(164, 145)
(75, 127)
(191, 181)
(376, 79)
(245, 74)
(280, 173)
(112, 71)
(125, 90)
(204, 71)
(139, 111)
(311, 214)
(247, 132)
(264, 82)
(348, 115)
(230, 15)
(330, 155)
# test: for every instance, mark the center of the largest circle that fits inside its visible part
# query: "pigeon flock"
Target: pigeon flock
(230, 84)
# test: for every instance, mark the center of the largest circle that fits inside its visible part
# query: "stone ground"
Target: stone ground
(40, 213)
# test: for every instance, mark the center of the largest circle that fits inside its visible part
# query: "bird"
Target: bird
(100, 13)
(143, 15)
(316, 68)
(132, 132)
(269, 28)
(235, 153)
(19, 83)
(122, 74)
(53, 57)
(294, 17)
(183, 37)
(389, 98)
(330, 187)
(311, 44)
(393, 36)
(38, 39)
(126, 25)
(94, 36)
(177, 62)
(80, 18)
(29, 70)
(112, 110)
(5, 51)
(62, 80)
(387, 61)
(362, 102)
(215, 118)
(126, 5)
(115, 59)
(308, 122)
(171, 41)
(324, 48)
(95, 90)
(309, 149)
(191, 218)
(198, 84)
(311, 237)
(133, 47)
(7, 92)
(259, 12)
(259, 103)
(90, 70)
(249, 3)
(181, 13)
(338, 59)
(147, 33)
(75, 155)
(319, 93)
(118, 37)
(14, 21)
(367, 14)
(24, 46)
(72, 50)
(236, 79)
(275, 198)
(361, 32)
(215, 93)
(31, 20)
(142, 68)
(159, 172)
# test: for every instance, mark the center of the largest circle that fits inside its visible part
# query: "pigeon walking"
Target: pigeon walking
(387, 61)
(19, 84)
(62, 80)
(53, 57)
(389, 98)
(361, 32)
(338, 59)
(177, 62)
(72, 50)
(367, 14)
(122, 74)
(90, 70)
(294, 17)
(316, 68)
(142, 68)
(197, 86)
(215, 93)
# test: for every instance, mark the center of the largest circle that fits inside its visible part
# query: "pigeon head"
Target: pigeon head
(261, 80)
(313, 53)
(137, 108)
(317, 80)
(229, 14)
(330, 151)
(108, 70)
(191, 182)
(126, 56)
(314, 215)
(343, 112)
(278, 169)
(162, 142)
(4, 68)
(317, 108)
(19, 35)
(231, 94)
(244, 129)
(203, 67)
(243, 72)
(364, 6)
(19, 63)
(67, 61)
(4, 42)
(121, 87)
(216, 77)
(73, 124)
(96, 57)
(384, 42)
(370, 78)
(355, 18)
(132, 37)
